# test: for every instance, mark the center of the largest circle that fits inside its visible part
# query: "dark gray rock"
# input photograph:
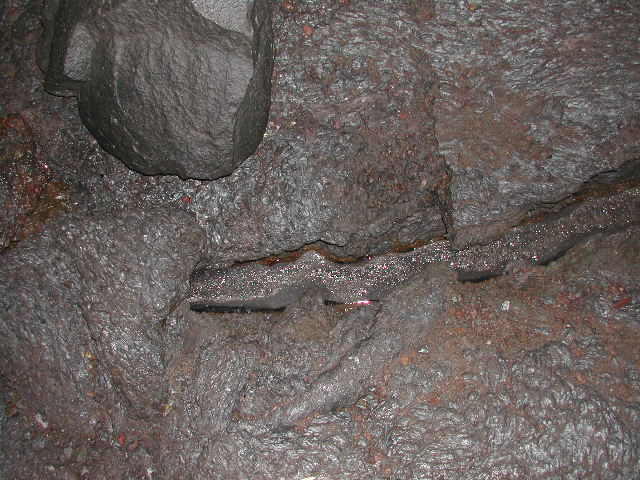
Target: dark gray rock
(450, 382)
(44, 337)
(311, 181)
(351, 156)
(338, 167)
(534, 99)
(133, 269)
(27, 22)
(404, 322)
(444, 380)
(259, 286)
(530, 375)
(84, 311)
(168, 87)
(520, 428)
(230, 15)
(207, 374)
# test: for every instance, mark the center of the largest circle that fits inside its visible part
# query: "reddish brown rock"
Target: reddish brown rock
(23, 177)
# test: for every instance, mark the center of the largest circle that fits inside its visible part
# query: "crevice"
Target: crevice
(443, 194)
(255, 285)
(292, 256)
(563, 249)
(600, 185)
(209, 308)
(479, 276)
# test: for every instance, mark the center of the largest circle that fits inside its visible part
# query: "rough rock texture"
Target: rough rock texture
(351, 157)
(23, 177)
(534, 99)
(364, 190)
(160, 84)
(531, 374)
(230, 15)
(84, 310)
(282, 281)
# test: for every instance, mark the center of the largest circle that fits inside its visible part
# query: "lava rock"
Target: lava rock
(84, 307)
(469, 380)
(533, 374)
(125, 303)
(512, 429)
(26, 23)
(208, 372)
(266, 285)
(167, 87)
(356, 178)
(351, 154)
(23, 177)
(405, 321)
(533, 101)
(44, 338)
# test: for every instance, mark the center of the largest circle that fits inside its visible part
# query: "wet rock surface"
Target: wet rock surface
(529, 370)
(388, 176)
(80, 322)
(511, 376)
(350, 160)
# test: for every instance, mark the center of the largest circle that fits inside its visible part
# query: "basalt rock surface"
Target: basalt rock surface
(23, 178)
(360, 153)
(168, 87)
(280, 282)
(534, 99)
(350, 159)
(383, 136)
(522, 370)
(81, 322)
(532, 374)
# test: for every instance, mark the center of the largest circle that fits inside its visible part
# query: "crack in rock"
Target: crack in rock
(258, 287)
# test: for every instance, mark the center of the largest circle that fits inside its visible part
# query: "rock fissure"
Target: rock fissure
(276, 283)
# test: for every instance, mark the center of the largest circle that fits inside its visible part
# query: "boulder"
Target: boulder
(174, 87)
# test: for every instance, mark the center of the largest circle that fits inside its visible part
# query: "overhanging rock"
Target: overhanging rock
(174, 87)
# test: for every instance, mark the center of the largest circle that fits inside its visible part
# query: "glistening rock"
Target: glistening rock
(174, 87)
